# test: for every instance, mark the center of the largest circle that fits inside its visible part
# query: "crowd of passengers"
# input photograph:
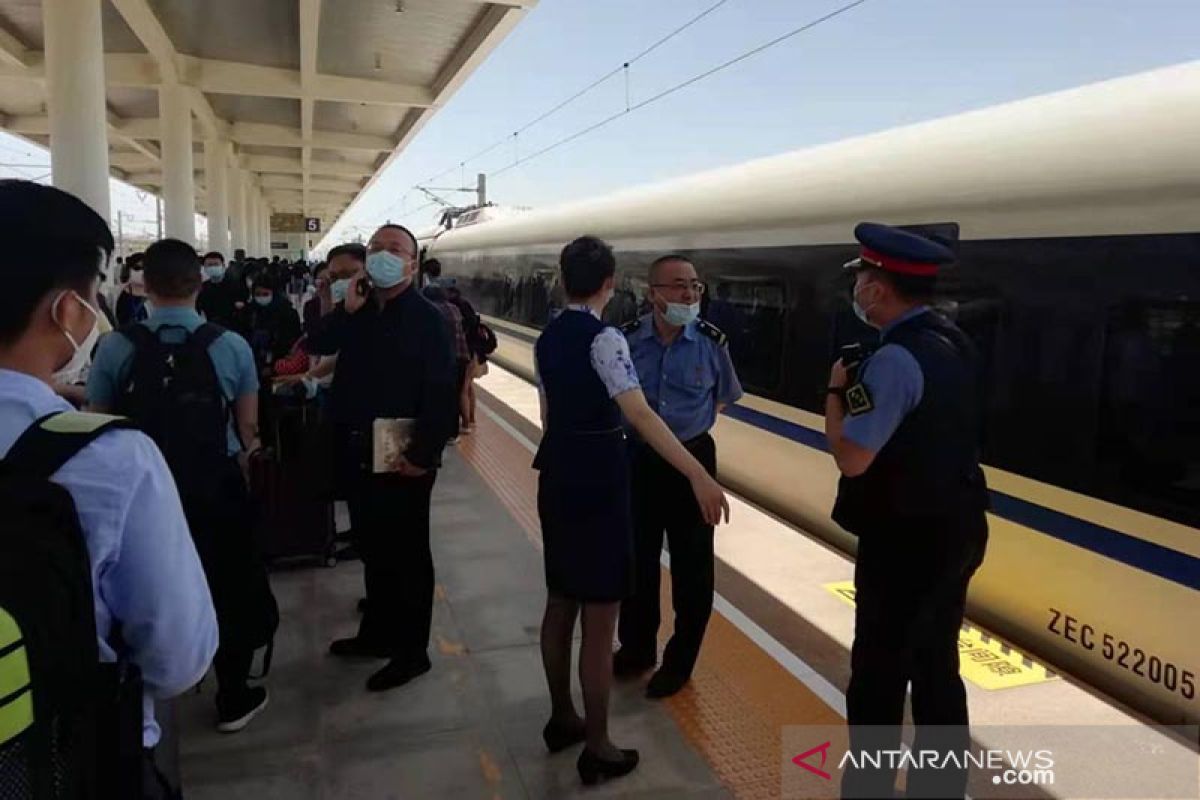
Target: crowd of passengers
(152, 410)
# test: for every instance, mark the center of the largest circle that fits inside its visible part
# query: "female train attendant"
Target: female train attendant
(587, 381)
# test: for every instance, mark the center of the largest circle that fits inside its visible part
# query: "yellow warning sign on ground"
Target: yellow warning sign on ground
(984, 660)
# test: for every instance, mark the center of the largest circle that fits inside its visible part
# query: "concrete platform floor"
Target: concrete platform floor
(468, 729)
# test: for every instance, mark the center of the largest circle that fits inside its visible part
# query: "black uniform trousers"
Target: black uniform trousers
(247, 615)
(390, 518)
(910, 582)
(663, 502)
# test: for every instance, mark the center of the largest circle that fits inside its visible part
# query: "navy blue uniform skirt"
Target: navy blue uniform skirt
(585, 511)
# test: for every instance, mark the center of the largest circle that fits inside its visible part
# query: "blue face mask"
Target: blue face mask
(214, 272)
(263, 301)
(681, 313)
(386, 269)
(338, 290)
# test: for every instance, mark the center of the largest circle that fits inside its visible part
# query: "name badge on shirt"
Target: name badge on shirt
(858, 400)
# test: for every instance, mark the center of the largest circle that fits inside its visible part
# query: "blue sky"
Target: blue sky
(885, 63)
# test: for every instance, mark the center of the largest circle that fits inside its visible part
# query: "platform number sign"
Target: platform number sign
(312, 225)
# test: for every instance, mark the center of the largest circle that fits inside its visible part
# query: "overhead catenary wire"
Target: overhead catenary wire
(623, 67)
(680, 86)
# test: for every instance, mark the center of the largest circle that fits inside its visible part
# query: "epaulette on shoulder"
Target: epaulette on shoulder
(631, 326)
(712, 331)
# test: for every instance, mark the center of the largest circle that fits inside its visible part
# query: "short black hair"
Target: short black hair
(432, 268)
(586, 264)
(396, 227)
(356, 251)
(52, 241)
(214, 254)
(172, 269)
(910, 288)
(321, 267)
(658, 262)
(264, 281)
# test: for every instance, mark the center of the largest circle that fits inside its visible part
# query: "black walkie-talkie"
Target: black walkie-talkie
(853, 355)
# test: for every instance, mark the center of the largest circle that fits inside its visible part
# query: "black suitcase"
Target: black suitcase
(292, 485)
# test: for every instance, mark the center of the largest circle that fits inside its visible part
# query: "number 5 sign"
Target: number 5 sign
(312, 225)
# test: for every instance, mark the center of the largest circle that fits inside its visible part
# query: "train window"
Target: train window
(752, 313)
(1149, 444)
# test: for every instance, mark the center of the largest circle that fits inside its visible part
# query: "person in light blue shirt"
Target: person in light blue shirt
(147, 580)
(231, 358)
(687, 375)
(894, 380)
(210, 472)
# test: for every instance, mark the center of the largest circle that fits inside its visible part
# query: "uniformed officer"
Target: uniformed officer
(687, 375)
(904, 428)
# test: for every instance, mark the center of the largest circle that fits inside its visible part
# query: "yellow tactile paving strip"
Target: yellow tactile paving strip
(739, 700)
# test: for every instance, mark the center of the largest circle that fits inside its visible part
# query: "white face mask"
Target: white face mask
(859, 311)
(82, 355)
(681, 314)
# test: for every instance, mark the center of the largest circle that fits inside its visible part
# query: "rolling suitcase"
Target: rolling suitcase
(292, 485)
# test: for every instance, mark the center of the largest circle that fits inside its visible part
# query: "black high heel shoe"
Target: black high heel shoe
(558, 737)
(592, 768)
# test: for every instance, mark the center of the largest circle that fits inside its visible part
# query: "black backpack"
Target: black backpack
(70, 727)
(486, 342)
(174, 396)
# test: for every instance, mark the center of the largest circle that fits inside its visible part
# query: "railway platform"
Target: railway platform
(773, 667)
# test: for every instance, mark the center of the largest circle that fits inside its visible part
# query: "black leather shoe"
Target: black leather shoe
(664, 684)
(593, 769)
(559, 737)
(397, 673)
(354, 647)
(627, 664)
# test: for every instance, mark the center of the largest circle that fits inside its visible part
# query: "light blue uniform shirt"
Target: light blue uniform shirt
(146, 575)
(896, 385)
(230, 353)
(686, 380)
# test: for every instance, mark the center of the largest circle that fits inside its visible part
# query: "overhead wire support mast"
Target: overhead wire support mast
(680, 86)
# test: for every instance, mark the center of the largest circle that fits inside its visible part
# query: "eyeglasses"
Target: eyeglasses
(696, 286)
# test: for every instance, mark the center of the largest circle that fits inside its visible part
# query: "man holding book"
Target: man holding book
(395, 362)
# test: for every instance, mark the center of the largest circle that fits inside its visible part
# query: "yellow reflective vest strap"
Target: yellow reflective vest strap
(76, 422)
(16, 699)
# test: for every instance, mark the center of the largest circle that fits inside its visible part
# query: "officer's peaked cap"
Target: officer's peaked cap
(902, 252)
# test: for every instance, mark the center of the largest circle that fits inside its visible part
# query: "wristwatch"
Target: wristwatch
(840, 391)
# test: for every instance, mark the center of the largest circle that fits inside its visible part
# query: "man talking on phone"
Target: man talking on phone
(395, 361)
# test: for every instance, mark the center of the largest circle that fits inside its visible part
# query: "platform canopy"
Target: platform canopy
(285, 106)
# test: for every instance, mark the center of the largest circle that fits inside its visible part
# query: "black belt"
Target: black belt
(688, 445)
(606, 432)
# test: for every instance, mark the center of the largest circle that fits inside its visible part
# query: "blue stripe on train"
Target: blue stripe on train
(1147, 556)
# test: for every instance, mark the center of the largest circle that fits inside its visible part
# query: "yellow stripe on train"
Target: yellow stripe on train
(983, 659)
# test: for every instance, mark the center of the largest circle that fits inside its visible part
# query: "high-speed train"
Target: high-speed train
(1076, 220)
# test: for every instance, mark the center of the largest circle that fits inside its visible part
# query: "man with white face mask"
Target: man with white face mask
(395, 360)
(687, 376)
(146, 579)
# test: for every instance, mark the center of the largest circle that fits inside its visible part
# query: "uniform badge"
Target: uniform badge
(858, 400)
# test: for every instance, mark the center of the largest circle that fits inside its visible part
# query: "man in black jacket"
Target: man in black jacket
(395, 360)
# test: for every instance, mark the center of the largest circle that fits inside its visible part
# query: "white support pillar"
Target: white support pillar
(218, 207)
(253, 220)
(267, 225)
(236, 186)
(75, 97)
(179, 186)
